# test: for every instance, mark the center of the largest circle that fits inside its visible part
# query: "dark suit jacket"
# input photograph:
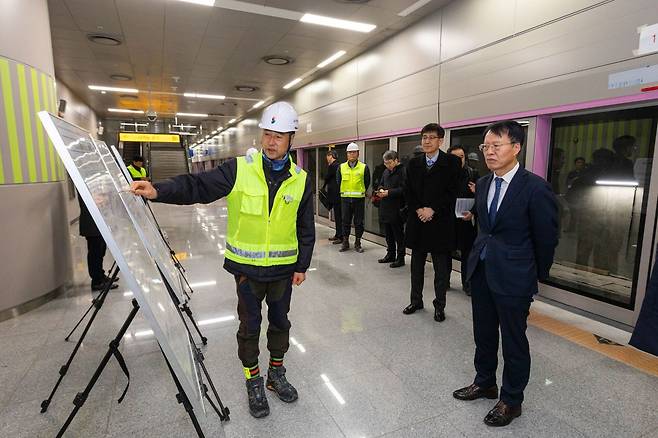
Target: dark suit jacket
(330, 183)
(435, 188)
(390, 206)
(521, 243)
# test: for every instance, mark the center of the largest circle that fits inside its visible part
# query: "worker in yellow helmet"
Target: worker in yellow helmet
(269, 241)
(353, 178)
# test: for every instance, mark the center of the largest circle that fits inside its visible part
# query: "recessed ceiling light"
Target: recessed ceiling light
(278, 59)
(104, 39)
(200, 2)
(258, 104)
(246, 88)
(205, 96)
(120, 77)
(292, 83)
(419, 4)
(336, 22)
(331, 59)
(117, 89)
(121, 110)
(191, 115)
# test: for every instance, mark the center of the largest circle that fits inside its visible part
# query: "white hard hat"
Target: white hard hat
(279, 117)
(352, 147)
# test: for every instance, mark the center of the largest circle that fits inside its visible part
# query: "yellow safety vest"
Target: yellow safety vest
(255, 236)
(352, 184)
(137, 174)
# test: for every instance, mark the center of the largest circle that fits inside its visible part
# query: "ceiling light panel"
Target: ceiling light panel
(200, 2)
(419, 4)
(121, 110)
(258, 104)
(117, 89)
(205, 96)
(292, 83)
(331, 59)
(338, 23)
(191, 115)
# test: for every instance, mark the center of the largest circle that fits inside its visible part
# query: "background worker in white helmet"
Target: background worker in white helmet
(269, 241)
(353, 178)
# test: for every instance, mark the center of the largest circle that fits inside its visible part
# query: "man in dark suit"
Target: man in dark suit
(96, 248)
(430, 192)
(518, 231)
(333, 194)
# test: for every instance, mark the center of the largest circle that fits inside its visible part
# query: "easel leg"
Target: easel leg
(81, 397)
(97, 303)
(188, 312)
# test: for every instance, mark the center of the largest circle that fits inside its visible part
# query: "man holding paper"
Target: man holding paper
(464, 226)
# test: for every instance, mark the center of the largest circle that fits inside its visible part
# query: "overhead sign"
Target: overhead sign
(149, 138)
(648, 40)
(634, 77)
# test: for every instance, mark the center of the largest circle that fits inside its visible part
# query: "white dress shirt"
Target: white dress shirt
(507, 179)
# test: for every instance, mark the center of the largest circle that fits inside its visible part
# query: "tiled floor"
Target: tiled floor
(361, 367)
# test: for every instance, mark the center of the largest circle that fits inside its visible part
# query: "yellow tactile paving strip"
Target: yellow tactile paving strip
(622, 353)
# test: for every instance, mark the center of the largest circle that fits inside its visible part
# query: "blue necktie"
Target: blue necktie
(493, 209)
(430, 163)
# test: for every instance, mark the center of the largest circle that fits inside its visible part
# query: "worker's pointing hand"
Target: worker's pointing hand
(144, 188)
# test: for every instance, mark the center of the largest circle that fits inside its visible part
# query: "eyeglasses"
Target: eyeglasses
(496, 147)
(429, 137)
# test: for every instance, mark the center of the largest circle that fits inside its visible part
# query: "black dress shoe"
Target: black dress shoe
(502, 414)
(387, 259)
(439, 315)
(398, 263)
(333, 239)
(101, 286)
(474, 392)
(411, 308)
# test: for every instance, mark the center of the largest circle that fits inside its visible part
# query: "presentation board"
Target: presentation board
(144, 223)
(107, 205)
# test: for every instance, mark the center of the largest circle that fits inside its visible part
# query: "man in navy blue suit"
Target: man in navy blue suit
(518, 231)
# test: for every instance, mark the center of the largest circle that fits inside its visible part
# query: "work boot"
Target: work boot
(357, 245)
(277, 382)
(345, 244)
(258, 406)
(398, 262)
(388, 258)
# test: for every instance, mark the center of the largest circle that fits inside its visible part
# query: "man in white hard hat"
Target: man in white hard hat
(269, 241)
(353, 178)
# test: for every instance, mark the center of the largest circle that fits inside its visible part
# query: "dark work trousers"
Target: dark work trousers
(466, 234)
(96, 248)
(353, 208)
(441, 277)
(510, 313)
(338, 217)
(394, 238)
(277, 295)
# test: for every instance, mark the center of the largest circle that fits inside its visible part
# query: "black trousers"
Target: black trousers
(441, 277)
(492, 312)
(96, 248)
(338, 217)
(277, 295)
(466, 234)
(394, 238)
(353, 208)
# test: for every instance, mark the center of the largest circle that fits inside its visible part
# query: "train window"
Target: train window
(600, 170)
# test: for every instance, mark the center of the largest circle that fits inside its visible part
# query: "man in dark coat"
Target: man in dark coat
(430, 194)
(518, 231)
(464, 227)
(391, 192)
(96, 248)
(333, 195)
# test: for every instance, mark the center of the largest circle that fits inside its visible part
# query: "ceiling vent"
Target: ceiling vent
(120, 77)
(278, 59)
(104, 39)
(246, 88)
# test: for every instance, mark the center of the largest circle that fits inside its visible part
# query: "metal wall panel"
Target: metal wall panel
(37, 247)
(337, 85)
(407, 103)
(332, 122)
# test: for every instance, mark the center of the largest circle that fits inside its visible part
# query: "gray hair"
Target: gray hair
(390, 155)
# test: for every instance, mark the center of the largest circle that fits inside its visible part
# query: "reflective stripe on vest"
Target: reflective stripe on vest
(256, 236)
(352, 183)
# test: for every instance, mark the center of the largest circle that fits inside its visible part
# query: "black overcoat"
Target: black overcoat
(434, 187)
(390, 206)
